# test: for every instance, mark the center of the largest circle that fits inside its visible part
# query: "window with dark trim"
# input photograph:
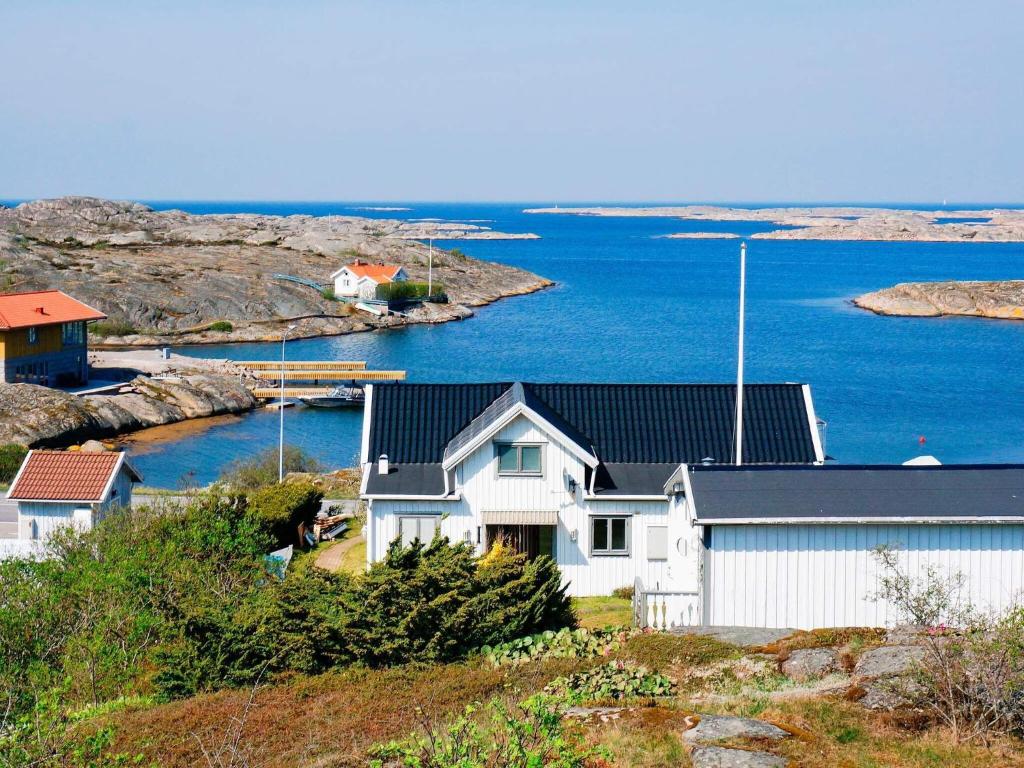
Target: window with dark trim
(516, 459)
(609, 535)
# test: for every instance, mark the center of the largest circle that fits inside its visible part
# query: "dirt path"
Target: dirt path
(330, 559)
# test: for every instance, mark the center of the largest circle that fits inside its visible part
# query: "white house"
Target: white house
(361, 279)
(631, 485)
(60, 488)
(795, 546)
(582, 472)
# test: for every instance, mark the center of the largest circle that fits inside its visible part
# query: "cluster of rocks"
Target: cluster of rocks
(168, 276)
(999, 299)
(40, 417)
(842, 223)
(705, 752)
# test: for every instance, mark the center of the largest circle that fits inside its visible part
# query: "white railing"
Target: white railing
(664, 609)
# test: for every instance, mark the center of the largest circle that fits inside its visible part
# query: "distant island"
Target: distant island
(998, 299)
(838, 223)
(172, 277)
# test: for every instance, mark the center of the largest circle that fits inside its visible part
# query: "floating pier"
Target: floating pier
(301, 376)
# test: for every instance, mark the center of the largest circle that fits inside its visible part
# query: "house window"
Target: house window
(33, 335)
(421, 527)
(518, 459)
(72, 333)
(609, 535)
(657, 542)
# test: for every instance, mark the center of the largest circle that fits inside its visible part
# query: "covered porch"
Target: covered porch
(531, 532)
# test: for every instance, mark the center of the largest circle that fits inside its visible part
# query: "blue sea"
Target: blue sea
(631, 306)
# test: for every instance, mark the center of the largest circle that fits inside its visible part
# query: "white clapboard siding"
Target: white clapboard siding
(483, 490)
(811, 576)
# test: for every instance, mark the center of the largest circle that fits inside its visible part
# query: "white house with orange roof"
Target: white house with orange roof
(55, 489)
(361, 278)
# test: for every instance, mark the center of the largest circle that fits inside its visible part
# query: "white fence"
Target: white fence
(664, 609)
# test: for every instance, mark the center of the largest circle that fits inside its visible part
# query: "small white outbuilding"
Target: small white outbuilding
(361, 279)
(789, 546)
(55, 489)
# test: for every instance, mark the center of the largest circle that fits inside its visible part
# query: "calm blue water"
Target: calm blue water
(630, 306)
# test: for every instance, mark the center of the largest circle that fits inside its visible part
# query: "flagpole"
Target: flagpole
(739, 362)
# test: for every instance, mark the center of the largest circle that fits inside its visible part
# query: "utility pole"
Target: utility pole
(430, 269)
(280, 408)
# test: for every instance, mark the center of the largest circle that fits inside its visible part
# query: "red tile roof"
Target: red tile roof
(66, 475)
(381, 273)
(23, 310)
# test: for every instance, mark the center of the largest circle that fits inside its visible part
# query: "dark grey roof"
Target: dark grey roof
(517, 394)
(917, 493)
(632, 479)
(625, 423)
(406, 480)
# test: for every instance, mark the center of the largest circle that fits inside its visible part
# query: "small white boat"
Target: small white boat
(339, 397)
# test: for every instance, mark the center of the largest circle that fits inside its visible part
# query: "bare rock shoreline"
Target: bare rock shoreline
(839, 223)
(171, 277)
(38, 416)
(997, 299)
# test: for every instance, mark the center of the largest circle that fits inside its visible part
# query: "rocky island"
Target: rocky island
(173, 277)
(839, 223)
(998, 299)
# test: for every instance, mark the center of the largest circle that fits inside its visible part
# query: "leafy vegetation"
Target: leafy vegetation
(405, 290)
(261, 470)
(534, 736)
(565, 643)
(328, 293)
(281, 509)
(112, 327)
(11, 457)
(221, 326)
(614, 680)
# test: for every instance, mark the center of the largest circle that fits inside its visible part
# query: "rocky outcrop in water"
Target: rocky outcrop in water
(841, 223)
(39, 416)
(170, 276)
(999, 299)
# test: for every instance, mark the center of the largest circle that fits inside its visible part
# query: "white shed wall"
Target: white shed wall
(811, 576)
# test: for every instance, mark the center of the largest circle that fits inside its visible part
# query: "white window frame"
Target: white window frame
(419, 518)
(609, 552)
(499, 444)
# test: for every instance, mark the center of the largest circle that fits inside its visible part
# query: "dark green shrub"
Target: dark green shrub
(105, 328)
(11, 457)
(406, 290)
(438, 602)
(261, 469)
(281, 509)
(328, 293)
(222, 326)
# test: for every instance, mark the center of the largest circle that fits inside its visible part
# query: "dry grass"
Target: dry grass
(601, 612)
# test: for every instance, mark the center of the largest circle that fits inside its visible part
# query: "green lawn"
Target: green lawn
(598, 612)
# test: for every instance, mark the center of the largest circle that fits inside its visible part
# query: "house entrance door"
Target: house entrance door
(531, 540)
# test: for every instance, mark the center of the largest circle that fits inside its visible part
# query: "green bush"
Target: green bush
(328, 293)
(281, 509)
(222, 326)
(407, 290)
(438, 602)
(623, 593)
(614, 680)
(534, 736)
(564, 644)
(105, 328)
(11, 457)
(261, 469)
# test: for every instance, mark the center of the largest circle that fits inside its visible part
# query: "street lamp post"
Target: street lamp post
(280, 408)
(430, 269)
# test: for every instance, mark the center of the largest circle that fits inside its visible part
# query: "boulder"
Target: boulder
(713, 728)
(810, 663)
(888, 661)
(721, 757)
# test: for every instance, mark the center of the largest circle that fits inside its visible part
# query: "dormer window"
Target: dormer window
(517, 459)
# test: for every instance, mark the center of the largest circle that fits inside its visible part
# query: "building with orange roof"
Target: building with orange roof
(43, 338)
(55, 489)
(361, 278)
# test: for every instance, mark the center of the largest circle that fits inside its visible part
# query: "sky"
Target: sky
(720, 100)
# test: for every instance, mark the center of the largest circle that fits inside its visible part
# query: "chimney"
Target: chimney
(382, 465)
(40, 310)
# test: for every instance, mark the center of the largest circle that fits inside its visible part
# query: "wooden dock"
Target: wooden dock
(273, 393)
(298, 373)
(301, 365)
